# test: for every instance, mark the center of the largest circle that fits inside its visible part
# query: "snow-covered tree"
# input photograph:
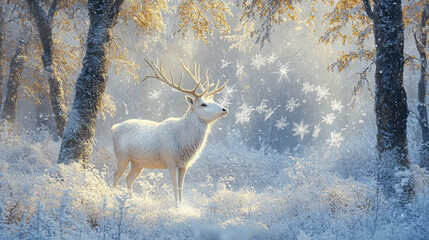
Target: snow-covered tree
(91, 83)
(44, 23)
(384, 19)
(16, 68)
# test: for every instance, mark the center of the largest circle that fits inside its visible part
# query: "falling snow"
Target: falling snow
(258, 61)
(281, 123)
(322, 93)
(283, 71)
(335, 139)
(329, 118)
(262, 107)
(272, 58)
(243, 116)
(300, 129)
(336, 106)
(155, 94)
(240, 69)
(316, 131)
(227, 95)
(225, 63)
(292, 104)
(269, 113)
(307, 88)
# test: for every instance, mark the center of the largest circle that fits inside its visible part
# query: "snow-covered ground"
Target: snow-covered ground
(231, 192)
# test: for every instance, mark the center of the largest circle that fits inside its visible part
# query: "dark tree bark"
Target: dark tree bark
(44, 26)
(16, 67)
(421, 42)
(391, 109)
(2, 23)
(79, 133)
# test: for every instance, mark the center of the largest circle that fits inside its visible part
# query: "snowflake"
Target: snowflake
(292, 104)
(307, 87)
(281, 124)
(272, 58)
(155, 94)
(227, 95)
(258, 61)
(126, 108)
(300, 129)
(329, 118)
(335, 139)
(336, 106)
(225, 63)
(240, 69)
(262, 107)
(316, 131)
(244, 115)
(322, 93)
(269, 113)
(283, 71)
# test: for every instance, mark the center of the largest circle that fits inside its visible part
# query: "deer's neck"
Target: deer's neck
(192, 136)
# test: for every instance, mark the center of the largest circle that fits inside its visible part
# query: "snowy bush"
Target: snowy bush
(232, 192)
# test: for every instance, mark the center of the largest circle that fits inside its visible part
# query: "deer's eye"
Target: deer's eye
(203, 105)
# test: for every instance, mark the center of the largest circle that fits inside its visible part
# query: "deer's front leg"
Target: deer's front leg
(174, 174)
(182, 174)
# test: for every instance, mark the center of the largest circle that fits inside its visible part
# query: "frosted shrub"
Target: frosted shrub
(233, 193)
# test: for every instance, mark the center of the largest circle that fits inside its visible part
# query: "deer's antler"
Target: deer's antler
(196, 77)
(205, 87)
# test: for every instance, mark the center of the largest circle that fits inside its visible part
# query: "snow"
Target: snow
(244, 115)
(292, 160)
(232, 192)
(301, 129)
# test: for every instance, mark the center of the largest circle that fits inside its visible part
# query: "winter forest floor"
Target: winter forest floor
(231, 192)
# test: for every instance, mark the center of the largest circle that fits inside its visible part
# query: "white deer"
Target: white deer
(174, 143)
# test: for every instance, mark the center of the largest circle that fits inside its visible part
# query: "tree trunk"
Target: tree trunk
(395, 177)
(44, 26)
(1, 52)
(422, 110)
(16, 67)
(80, 128)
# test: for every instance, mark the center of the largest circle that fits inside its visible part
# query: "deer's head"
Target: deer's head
(200, 103)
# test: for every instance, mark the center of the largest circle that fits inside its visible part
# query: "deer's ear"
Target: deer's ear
(190, 100)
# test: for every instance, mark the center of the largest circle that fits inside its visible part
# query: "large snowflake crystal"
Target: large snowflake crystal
(307, 87)
(336, 106)
(292, 104)
(244, 115)
(258, 61)
(281, 124)
(329, 118)
(335, 139)
(155, 94)
(322, 93)
(283, 71)
(300, 129)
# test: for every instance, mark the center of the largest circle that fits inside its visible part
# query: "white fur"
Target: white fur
(173, 144)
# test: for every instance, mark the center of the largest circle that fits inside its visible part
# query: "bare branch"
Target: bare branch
(52, 10)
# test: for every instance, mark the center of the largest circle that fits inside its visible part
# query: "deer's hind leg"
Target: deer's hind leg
(135, 171)
(122, 165)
